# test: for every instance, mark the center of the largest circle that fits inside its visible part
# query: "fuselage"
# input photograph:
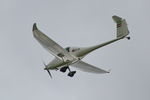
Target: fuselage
(78, 53)
(57, 63)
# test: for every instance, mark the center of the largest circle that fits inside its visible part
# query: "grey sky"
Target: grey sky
(74, 23)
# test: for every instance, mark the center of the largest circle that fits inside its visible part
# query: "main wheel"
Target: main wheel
(71, 74)
(63, 69)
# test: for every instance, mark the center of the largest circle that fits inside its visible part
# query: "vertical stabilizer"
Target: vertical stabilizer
(122, 29)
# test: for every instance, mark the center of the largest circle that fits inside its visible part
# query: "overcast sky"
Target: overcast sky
(78, 23)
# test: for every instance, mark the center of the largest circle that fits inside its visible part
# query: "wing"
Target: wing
(50, 45)
(88, 68)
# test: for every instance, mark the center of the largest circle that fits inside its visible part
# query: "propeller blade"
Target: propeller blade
(44, 64)
(49, 73)
(47, 70)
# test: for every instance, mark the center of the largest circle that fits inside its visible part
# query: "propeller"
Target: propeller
(49, 73)
(47, 70)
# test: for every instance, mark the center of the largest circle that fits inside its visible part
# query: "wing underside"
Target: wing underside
(50, 45)
(88, 68)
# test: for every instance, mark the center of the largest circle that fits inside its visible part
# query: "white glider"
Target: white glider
(72, 56)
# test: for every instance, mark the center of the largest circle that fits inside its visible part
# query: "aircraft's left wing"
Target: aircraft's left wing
(50, 45)
(88, 68)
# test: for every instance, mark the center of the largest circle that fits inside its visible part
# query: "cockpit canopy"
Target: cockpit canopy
(72, 49)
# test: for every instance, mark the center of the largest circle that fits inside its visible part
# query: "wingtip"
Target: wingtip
(34, 27)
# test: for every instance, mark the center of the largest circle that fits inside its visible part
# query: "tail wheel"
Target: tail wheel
(128, 38)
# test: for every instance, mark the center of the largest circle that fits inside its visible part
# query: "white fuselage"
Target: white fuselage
(78, 53)
(58, 63)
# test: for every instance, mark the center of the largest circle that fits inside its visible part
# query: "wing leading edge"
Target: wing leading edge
(89, 68)
(50, 45)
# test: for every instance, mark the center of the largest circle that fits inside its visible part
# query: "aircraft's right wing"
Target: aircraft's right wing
(88, 68)
(50, 45)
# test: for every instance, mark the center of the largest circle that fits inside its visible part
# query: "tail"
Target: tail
(122, 29)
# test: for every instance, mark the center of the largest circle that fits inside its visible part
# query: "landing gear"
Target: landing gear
(71, 73)
(63, 69)
(128, 38)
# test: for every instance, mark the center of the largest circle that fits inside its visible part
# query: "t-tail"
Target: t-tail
(121, 33)
(121, 26)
